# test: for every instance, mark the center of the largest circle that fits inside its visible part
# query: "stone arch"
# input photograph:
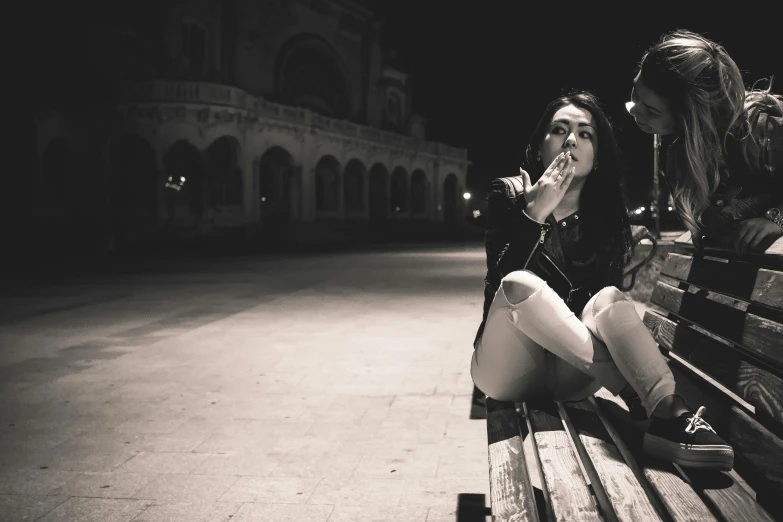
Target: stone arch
(134, 181)
(399, 191)
(185, 169)
(450, 199)
(378, 183)
(279, 187)
(59, 173)
(327, 184)
(419, 192)
(353, 183)
(310, 73)
(223, 175)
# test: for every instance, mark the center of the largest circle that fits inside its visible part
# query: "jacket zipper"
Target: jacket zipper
(570, 284)
(535, 247)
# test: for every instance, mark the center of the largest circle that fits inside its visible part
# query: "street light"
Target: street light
(466, 195)
(656, 191)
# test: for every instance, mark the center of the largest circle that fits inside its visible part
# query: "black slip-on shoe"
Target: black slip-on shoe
(689, 441)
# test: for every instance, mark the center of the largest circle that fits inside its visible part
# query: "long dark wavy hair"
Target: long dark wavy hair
(603, 198)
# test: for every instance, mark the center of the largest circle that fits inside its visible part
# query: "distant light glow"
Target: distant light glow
(466, 195)
(476, 213)
(263, 198)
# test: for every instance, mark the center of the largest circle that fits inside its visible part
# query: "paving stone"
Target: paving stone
(23, 508)
(96, 510)
(190, 512)
(289, 512)
(186, 488)
(289, 490)
(358, 492)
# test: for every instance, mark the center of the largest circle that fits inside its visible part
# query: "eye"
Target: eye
(557, 130)
(587, 135)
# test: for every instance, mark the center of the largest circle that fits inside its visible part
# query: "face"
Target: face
(652, 113)
(571, 129)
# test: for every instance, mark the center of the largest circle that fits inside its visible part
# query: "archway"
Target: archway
(279, 193)
(353, 182)
(185, 169)
(224, 177)
(327, 185)
(378, 196)
(399, 191)
(309, 73)
(418, 192)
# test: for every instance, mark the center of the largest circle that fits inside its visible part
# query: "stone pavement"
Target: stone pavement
(321, 387)
(331, 387)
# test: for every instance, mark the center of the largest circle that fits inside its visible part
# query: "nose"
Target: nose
(633, 108)
(570, 141)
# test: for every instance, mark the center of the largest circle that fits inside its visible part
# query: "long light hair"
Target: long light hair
(707, 95)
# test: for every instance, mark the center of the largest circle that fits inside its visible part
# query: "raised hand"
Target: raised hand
(543, 197)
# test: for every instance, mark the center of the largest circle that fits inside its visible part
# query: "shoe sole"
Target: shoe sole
(718, 457)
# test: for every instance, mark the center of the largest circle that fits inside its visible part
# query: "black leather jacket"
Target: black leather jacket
(514, 241)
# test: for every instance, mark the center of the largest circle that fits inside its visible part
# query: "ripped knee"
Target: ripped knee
(606, 297)
(520, 285)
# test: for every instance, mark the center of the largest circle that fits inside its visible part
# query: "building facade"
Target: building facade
(272, 117)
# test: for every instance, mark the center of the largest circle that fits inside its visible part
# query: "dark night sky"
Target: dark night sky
(484, 75)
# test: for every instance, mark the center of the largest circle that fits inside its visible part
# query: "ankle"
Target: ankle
(670, 407)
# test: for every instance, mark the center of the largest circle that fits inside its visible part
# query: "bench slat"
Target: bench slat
(757, 334)
(759, 387)
(511, 492)
(736, 279)
(568, 492)
(628, 500)
(753, 444)
(727, 497)
(772, 257)
(680, 500)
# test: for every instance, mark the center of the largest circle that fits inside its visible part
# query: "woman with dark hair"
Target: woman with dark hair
(555, 324)
(721, 146)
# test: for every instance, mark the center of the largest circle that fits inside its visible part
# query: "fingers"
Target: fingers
(557, 163)
(743, 238)
(526, 184)
(567, 178)
(561, 172)
(755, 240)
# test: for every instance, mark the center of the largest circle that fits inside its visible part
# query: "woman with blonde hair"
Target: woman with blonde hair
(721, 146)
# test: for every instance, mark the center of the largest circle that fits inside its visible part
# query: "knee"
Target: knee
(607, 297)
(520, 285)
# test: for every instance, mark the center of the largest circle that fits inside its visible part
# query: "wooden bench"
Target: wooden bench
(718, 319)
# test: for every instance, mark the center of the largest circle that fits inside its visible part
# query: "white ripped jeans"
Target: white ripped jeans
(537, 347)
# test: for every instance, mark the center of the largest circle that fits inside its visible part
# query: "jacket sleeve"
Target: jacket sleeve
(765, 148)
(512, 238)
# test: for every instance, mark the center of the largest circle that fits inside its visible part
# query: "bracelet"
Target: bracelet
(775, 215)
